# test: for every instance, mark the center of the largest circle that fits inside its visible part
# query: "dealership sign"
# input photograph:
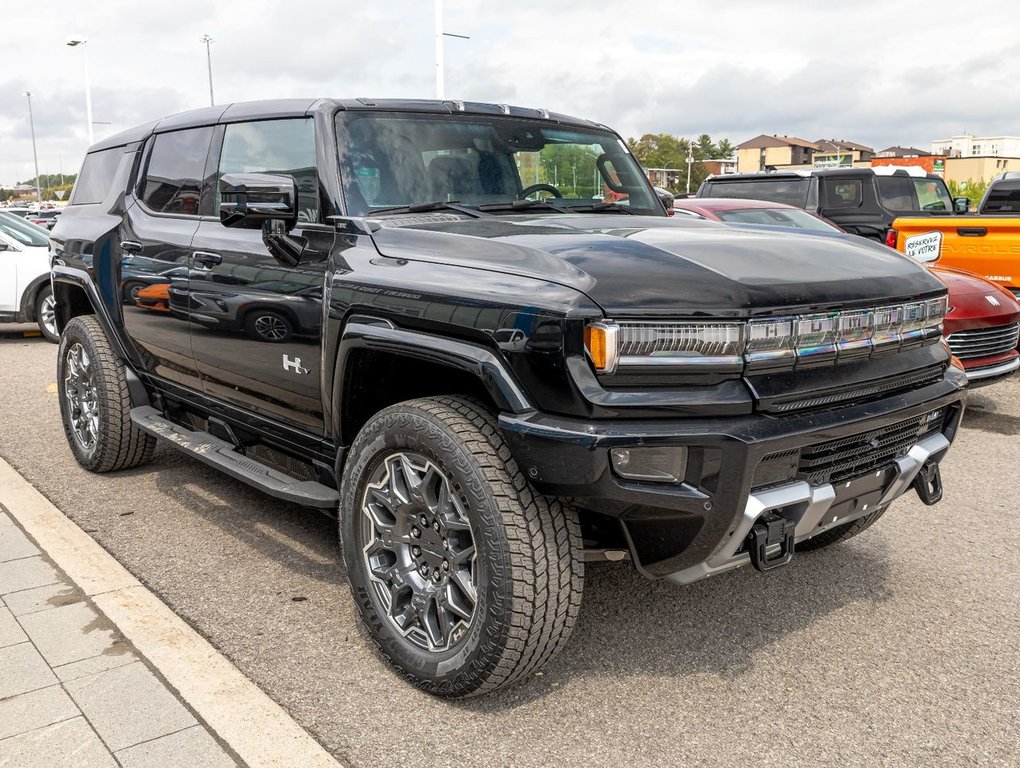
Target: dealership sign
(834, 161)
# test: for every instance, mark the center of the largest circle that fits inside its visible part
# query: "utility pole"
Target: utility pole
(208, 60)
(690, 160)
(35, 155)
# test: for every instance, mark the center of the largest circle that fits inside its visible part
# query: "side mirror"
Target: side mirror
(665, 197)
(3, 246)
(251, 199)
(961, 204)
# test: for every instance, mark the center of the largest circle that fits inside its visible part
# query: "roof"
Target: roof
(841, 145)
(276, 108)
(803, 173)
(713, 204)
(775, 140)
(903, 152)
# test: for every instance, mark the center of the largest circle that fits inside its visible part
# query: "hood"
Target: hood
(634, 266)
(963, 283)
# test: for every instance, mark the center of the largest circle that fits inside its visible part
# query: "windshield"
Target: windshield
(22, 231)
(777, 217)
(789, 191)
(394, 160)
(901, 193)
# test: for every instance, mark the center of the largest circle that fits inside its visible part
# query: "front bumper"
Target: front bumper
(686, 531)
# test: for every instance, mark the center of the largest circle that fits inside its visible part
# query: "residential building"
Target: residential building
(773, 151)
(967, 145)
(840, 153)
(978, 169)
(902, 152)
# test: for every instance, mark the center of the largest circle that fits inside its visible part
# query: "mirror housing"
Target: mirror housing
(250, 200)
(961, 204)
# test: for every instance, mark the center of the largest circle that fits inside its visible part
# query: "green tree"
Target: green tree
(663, 150)
(725, 149)
(973, 190)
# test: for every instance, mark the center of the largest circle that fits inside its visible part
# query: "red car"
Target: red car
(983, 323)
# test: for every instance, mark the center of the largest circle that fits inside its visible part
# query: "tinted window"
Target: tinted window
(96, 176)
(22, 231)
(175, 172)
(789, 191)
(1003, 197)
(904, 193)
(777, 217)
(844, 193)
(284, 147)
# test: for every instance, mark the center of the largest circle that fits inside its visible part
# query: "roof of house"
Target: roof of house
(775, 140)
(903, 152)
(841, 145)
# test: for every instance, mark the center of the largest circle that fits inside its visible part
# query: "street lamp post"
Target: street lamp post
(440, 64)
(208, 60)
(35, 155)
(72, 43)
(690, 161)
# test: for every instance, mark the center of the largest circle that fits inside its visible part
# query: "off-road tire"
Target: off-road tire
(841, 532)
(529, 549)
(119, 443)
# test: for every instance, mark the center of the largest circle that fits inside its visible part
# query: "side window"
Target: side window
(175, 171)
(845, 193)
(96, 176)
(284, 147)
(896, 193)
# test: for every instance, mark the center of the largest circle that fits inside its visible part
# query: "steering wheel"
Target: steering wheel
(539, 188)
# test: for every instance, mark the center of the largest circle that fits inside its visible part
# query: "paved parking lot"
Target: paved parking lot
(899, 648)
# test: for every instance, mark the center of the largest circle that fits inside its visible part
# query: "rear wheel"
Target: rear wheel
(46, 315)
(841, 532)
(266, 325)
(466, 578)
(95, 406)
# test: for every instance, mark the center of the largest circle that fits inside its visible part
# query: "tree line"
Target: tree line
(49, 183)
(663, 150)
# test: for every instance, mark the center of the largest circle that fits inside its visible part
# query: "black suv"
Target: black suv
(863, 201)
(430, 317)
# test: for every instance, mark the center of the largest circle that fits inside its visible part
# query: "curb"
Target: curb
(255, 727)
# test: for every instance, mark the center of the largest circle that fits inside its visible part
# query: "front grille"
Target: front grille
(857, 455)
(984, 342)
(859, 392)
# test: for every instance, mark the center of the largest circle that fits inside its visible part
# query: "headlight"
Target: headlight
(801, 340)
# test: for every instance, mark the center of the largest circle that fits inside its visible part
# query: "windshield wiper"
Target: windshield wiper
(524, 205)
(437, 205)
(604, 207)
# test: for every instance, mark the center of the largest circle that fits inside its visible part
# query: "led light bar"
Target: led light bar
(784, 342)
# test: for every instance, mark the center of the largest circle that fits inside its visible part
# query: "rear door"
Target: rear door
(155, 239)
(9, 253)
(256, 323)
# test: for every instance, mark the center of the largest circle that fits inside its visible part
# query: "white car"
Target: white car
(25, 292)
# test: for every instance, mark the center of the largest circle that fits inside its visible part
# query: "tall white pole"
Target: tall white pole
(208, 60)
(440, 86)
(35, 155)
(88, 95)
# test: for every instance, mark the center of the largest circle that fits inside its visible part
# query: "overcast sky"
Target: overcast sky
(880, 73)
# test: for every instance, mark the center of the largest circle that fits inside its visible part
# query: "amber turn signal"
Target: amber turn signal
(600, 341)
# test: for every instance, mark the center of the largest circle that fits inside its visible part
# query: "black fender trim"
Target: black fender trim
(381, 335)
(79, 278)
(27, 311)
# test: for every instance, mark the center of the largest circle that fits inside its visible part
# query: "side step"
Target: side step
(221, 454)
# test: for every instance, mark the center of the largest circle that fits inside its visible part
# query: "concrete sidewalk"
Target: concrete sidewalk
(73, 690)
(95, 670)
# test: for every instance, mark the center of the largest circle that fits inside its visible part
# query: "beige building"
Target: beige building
(763, 152)
(960, 169)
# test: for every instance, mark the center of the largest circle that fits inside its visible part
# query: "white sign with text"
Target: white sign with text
(926, 247)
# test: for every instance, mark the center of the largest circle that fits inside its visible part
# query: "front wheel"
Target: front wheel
(266, 325)
(46, 314)
(466, 578)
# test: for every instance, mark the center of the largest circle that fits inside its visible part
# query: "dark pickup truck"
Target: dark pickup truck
(427, 317)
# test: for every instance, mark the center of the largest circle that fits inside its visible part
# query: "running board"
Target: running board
(221, 454)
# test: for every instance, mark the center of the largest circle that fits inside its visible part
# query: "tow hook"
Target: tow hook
(770, 530)
(928, 484)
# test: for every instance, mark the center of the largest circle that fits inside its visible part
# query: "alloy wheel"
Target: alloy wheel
(48, 313)
(82, 396)
(270, 327)
(419, 551)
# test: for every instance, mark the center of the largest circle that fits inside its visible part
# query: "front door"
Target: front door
(256, 323)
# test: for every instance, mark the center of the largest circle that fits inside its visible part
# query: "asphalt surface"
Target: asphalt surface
(900, 648)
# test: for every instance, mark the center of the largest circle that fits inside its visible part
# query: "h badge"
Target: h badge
(294, 366)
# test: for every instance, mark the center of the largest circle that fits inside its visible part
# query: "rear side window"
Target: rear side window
(174, 175)
(844, 193)
(1003, 197)
(789, 191)
(96, 176)
(899, 193)
(281, 147)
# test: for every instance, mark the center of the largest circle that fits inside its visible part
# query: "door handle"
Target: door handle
(131, 246)
(972, 231)
(207, 258)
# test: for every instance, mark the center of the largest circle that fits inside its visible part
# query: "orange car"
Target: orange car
(155, 297)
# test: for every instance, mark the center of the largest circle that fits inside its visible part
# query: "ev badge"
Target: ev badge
(294, 366)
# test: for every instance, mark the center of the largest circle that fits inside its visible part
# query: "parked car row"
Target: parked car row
(43, 217)
(25, 292)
